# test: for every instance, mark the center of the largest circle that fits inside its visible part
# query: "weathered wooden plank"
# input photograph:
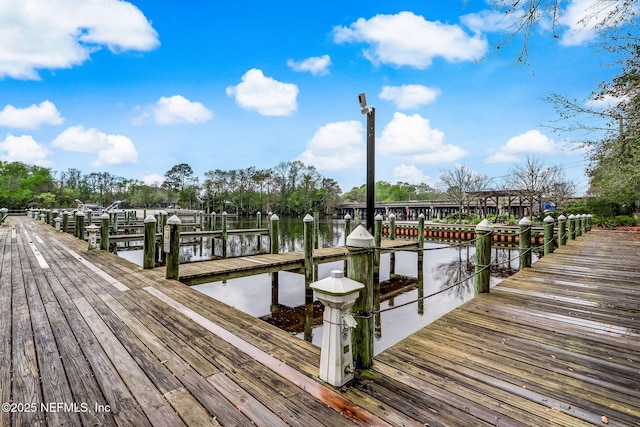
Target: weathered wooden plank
(153, 404)
(53, 380)
(26, 379)
(189, 408)
(246, 403)
(5, 321)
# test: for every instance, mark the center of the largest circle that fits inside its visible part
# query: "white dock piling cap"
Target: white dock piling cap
(360, 238)
(150, 218)
(336, 285)
(562, 218)
(484, 226)
(174, 220)
(572, 216)
(347, 216)
(548, 219)
(274, 217)
(307, 218)
(379, 217)
(525, 221)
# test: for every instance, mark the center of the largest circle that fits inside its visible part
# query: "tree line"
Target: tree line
(289, 188)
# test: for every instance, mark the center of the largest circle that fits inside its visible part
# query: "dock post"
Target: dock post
(484, 230)
(116, 226)
(377, 233)
(562, 230)
(572, 227)
(589, 222)
(525, 242)
(584, 224)
(104, 232)
(578, 226)
(213, 220)
(149, 250)
(173, 255)
(360, 244)
(80, 225)
(392, 227)
(65, 221)
(275, 248)
(308, 275)
(420, 264)
(347, 231)
(258, 219)
(548, 234)
(316, 238)
(275, 244)
(224, 234)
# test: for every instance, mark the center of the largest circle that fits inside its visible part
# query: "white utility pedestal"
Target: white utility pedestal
(337, 293)
(92, 230)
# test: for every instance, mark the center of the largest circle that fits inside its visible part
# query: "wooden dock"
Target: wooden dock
(91, 339)
(230, 268)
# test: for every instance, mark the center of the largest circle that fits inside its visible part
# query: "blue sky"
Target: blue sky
(136, 87)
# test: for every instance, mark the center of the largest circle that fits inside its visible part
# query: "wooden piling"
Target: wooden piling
(224, 234)
(548, 234)
(392, 227)
(483, 257)
(347, 231)
(173, 255)
(275, 243)
(308, 274)
(562, 230)
(65, 221)
(572, 227)
(525, 242)
(149, 249)
(80, 225)
(104, 231)
(377, 232)
(360, 245)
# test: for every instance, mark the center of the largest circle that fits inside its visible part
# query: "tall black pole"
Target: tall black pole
(371, 167)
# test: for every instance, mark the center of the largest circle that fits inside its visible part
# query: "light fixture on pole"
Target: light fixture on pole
(371, 158)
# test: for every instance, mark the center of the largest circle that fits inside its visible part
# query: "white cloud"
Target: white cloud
(338, 145)
(175, 110)
(111, 149)
(265, 95)
(54, 34)
(530, 142)
(606, 102)
(413, 138)
(410, 174)
(316, 65)
(582, 17)
(153, 179)
(31, 117)
(24, 149)
(408, 39)
(501, 157)
(406, 97)
(490, 20)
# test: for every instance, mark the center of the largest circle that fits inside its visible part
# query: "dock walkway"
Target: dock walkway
(91, 339)
(224, 269)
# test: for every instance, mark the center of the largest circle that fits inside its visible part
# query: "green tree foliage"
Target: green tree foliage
(388, 192)
(21, 184)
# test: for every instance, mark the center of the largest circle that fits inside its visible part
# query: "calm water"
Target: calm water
(443, 266)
